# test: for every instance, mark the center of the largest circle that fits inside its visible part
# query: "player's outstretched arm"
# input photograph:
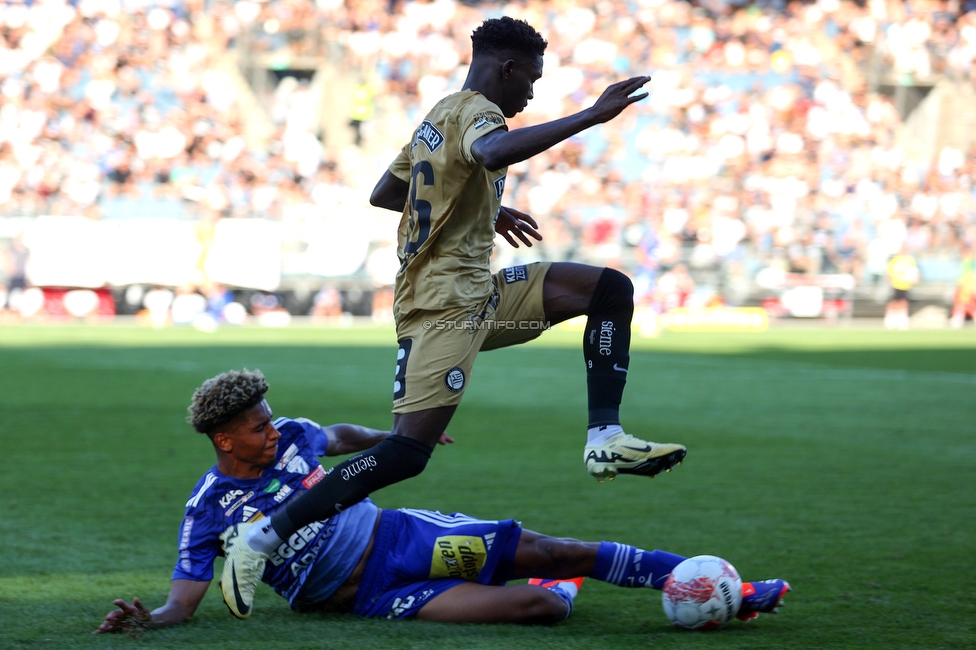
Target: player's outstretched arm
(390, 192)
(501, 148)
(511, 224)
(351, 438)
(184, 598)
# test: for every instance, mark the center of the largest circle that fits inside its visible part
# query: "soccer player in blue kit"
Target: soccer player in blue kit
(364, 560)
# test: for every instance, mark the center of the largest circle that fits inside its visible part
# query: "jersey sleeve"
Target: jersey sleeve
(315, 434)
(475, 119)
(400, 167)
(199, 544)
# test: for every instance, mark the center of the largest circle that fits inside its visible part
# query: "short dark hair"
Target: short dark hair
(498, 35)
(222, 398)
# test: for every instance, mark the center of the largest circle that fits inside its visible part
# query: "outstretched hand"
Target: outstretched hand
(616, 98)
(511, 224)
(131, 619)
(445, 439)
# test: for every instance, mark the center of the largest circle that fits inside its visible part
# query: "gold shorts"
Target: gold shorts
(437, 348)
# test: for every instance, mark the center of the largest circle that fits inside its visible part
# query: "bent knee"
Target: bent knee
(618, 281)
(544, 608)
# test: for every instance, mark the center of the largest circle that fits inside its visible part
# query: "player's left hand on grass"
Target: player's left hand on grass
(131, 619)
(512, 224)
(445, 439)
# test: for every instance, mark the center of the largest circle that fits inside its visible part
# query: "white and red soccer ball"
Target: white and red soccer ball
(702, 593)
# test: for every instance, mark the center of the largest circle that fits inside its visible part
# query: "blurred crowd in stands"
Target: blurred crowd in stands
(763, 147)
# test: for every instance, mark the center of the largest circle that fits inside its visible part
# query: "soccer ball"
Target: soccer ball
(702, 593)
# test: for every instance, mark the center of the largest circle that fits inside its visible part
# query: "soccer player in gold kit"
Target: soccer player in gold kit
(448, 182)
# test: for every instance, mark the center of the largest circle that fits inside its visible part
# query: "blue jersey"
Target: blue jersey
(333, 546)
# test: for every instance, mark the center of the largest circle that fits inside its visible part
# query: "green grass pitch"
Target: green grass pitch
(842, 460)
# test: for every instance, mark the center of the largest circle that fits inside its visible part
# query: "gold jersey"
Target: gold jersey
(447, 231)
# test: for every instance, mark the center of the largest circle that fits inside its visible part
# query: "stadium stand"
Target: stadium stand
(780, 138)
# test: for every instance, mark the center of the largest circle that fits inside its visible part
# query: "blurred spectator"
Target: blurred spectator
(362, 110)
(16, 272)
(187, 306)
(383, 305)
(157, 302)
(218, 297)
(902, 275)
(761, 146)
(327, 304)
(674, 288)
(964, 300)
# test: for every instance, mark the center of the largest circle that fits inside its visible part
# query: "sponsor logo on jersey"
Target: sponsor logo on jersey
(287, 456)
(272, 486)
(285, 491)
(314, 477)
(248, 512)
(290, 461)
(458, 556)
(195, 499)
(484, 119)
(185, 533)
(499, 188)
(454, 380)
(244, 499)
(515, 274)
(297, 465)
(429, 135)
(299, 542)
(228, 498)
(358, 465)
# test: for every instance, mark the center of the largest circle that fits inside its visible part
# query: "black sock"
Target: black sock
(393, 460)
(606, 346)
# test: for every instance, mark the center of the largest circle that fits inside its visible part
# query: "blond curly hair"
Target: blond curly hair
(222, 398)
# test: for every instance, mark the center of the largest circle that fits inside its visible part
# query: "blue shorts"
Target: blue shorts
(419, 554)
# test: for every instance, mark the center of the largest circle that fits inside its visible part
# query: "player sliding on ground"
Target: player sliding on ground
(448, 183)
(364, 560)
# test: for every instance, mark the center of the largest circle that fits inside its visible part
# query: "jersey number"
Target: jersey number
(419, 209)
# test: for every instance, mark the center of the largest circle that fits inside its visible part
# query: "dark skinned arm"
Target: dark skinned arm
(184, 598)
(350, 438)
(501, 148)
(390, 193)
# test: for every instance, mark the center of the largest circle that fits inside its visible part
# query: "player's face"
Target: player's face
(254, 438)
(520, 84)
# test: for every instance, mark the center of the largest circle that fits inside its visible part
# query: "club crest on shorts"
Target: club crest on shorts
(454, 380)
